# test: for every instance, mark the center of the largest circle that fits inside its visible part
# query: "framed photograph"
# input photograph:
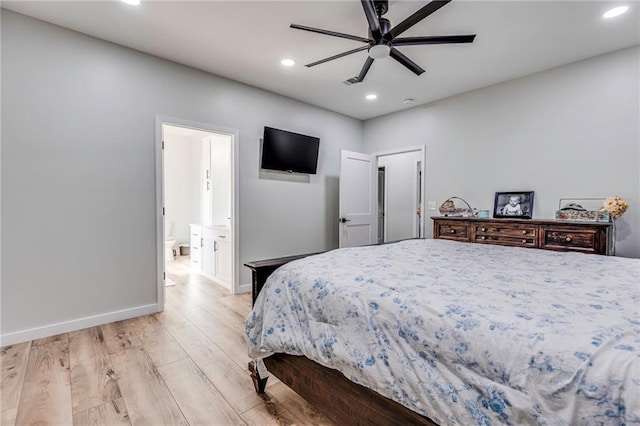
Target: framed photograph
(514, 204)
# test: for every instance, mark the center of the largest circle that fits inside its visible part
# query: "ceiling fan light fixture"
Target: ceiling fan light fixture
(616, 11)
(379, 51)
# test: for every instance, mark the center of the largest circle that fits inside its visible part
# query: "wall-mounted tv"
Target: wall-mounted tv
(289, 152)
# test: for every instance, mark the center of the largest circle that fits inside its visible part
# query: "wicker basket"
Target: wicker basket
(448, 208)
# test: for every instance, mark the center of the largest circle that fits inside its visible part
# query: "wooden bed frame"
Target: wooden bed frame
(328, 390)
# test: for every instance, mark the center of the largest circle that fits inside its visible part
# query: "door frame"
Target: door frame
(423, 158)
(235, 198)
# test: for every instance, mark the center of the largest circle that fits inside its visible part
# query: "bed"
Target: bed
(455, 333)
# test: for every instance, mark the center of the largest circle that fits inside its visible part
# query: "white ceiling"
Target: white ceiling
(245, 41)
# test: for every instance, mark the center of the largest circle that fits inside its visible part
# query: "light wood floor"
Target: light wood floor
(184, 366)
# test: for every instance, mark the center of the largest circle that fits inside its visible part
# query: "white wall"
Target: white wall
(401, 187)
(573, 131)
(78, 180)
(182, 183)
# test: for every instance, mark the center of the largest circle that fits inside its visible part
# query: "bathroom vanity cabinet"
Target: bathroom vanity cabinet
(211, 252)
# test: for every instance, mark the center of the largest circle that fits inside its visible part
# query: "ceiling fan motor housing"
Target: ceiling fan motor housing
(385, 26)
(382, 6)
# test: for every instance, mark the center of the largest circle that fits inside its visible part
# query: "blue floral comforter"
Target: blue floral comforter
(466, 333)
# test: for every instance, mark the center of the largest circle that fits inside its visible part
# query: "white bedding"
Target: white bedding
(466, 333)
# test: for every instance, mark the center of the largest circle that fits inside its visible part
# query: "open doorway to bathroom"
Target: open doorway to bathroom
(198, 202)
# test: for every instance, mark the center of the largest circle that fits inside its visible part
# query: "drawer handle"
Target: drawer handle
(452, 231)
(568, 239)
(524, 232)
(222, 236)
(484, 229)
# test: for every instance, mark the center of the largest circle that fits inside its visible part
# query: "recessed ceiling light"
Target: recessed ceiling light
(287, 62)
(616, 11)
(408, 101)
(132, 2)
(371, 96)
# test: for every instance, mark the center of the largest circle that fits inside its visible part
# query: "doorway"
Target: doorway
(197, 200)
(381, 196)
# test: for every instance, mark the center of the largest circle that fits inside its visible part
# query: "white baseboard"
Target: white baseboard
(244, 288)
(73, 325)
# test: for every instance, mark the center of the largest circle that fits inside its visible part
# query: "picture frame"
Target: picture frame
(513, 204)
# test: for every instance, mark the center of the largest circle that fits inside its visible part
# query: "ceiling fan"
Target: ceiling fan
(383, 39)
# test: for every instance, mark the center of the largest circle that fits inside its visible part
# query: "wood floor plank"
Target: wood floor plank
(46, 395)
(148, 400)
(145, 324)
(156, 340)
(198, 399)
(171, 317)
(112, 413)
(302, 412)
(268, 413)
(241, 303)
(45, 340)
(13, 361)
(233, 343)
(231, 380)
(8, 417)
(93, 380)
(119, 336)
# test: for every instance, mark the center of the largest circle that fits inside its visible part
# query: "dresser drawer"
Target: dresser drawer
(217, 233)
(505, 240)
(503, 230)
(569, 240)
(452, 231)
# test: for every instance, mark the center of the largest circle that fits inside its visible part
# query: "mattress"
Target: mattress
(466, 333)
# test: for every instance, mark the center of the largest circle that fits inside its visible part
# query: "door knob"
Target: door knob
(343, 220)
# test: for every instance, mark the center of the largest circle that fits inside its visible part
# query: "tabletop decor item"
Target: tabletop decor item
(576, 212)
(513, 204)
(616, 207)
(448, 208)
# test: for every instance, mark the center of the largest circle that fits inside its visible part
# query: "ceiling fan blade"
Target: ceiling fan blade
(331, 33)
(412, 66)
(363, 71)
(339, 55)
(412, 41)
(372, 18)
(416, 17)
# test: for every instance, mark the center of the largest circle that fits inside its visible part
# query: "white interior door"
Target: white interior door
(358, 211)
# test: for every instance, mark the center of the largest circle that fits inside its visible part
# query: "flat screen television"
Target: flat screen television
(289, 152)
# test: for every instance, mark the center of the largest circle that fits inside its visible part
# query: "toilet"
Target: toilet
(169, 241)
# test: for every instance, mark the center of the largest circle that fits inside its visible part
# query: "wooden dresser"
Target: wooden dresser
(584, 237)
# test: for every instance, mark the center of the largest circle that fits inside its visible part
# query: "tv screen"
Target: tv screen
(289, 152)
